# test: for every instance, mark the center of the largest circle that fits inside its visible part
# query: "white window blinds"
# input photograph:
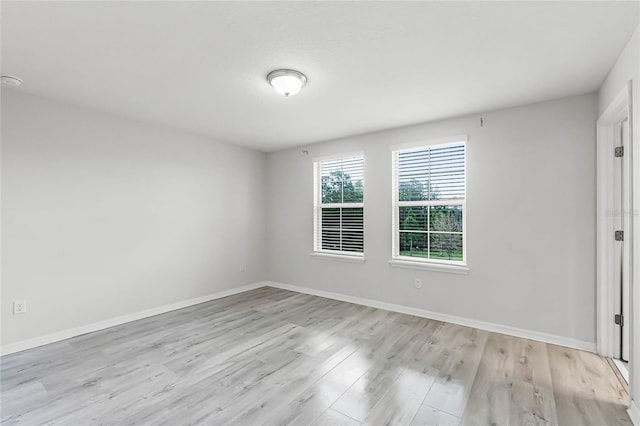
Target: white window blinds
(429, 203)
(339, 205)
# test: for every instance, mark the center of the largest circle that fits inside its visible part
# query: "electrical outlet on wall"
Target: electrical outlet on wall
(19, 307)
(241, 268)
(417, 283)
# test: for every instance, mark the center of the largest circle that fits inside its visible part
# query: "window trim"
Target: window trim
(447, 140)
(429, 266)
(339, 256)
(417, 262)
(318, 252)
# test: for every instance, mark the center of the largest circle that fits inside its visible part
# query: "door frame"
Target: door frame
(606, 285)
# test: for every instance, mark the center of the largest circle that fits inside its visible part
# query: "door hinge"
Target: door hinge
(619, 235)
(618, 151)
(619, 319)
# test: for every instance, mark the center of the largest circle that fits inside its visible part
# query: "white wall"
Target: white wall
(627, 68)
(531, 221)
(104, 216)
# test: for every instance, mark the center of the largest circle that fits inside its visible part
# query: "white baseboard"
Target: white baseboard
(624, 371)
(488, 326)
(497, 328)
(634, 413)
(72, 332)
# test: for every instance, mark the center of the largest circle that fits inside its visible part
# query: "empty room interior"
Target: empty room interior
(320, 213)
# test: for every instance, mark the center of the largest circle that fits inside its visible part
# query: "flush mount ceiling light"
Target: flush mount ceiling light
(287, 82)
(11, 80)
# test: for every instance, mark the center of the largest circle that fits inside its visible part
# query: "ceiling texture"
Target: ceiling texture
(201, 66)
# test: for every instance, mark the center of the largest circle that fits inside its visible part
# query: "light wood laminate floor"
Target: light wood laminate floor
(271, 356)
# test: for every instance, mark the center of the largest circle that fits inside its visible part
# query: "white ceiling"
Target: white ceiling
(201, 66)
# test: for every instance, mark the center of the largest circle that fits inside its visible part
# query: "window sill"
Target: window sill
(338, 257)
(430, 266)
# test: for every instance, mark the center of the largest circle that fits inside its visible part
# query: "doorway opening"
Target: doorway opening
(614, 247)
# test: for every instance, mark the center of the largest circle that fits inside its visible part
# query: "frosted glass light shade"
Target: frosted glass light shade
(11, 80)
(286, 82)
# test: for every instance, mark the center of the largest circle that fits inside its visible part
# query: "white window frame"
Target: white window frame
(318, 205)
(418, 262)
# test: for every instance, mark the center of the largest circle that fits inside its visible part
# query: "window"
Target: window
(339, 205)
(429, 204)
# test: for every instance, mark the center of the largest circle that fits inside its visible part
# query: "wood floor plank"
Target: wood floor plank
(307, 406)
(358, 401)
(334, 418)
(271, 356)
(455, 352)
(429, 416)
(574, 393)
(22, 398)
(402, 400)
(272, 396)
(490, 396)
(512, 385)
